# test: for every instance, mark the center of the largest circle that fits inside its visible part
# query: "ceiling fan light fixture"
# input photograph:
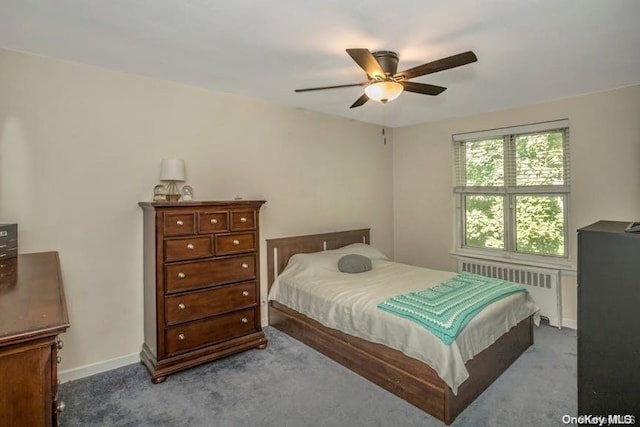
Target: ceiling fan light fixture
(383, 91)
(385, 84)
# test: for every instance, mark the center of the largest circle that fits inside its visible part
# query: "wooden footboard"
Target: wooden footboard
(408, 378)
(411, 380)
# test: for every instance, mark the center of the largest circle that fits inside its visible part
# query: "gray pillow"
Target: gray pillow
(354, 263)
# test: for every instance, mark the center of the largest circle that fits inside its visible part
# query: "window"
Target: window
(512, 189)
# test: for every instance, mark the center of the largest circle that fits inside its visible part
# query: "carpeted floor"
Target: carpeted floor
(292, 385)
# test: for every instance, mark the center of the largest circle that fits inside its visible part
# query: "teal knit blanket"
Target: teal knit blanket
(448, 307)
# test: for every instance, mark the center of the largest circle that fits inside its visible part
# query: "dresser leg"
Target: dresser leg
(262, 346)
(158, 380)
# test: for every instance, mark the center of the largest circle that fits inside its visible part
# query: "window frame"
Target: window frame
(509, 191)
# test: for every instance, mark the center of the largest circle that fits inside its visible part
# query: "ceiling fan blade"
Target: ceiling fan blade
(330, 87)
(364, 98)
(439, 65)
(422, 88)
(367, 62)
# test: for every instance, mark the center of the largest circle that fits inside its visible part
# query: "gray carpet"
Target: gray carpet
(292, 385)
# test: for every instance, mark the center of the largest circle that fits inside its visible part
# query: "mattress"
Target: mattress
(312, 285)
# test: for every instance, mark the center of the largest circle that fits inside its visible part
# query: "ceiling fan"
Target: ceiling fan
(386, 84)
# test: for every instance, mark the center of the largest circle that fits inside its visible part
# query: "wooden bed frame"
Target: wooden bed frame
(408, 378)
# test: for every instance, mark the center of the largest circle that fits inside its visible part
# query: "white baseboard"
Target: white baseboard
(569, 323)
(96, 368)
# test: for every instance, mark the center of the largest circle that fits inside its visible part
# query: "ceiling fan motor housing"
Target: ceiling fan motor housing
(388, 61)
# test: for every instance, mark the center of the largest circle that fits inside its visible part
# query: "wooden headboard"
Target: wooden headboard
(280, 250)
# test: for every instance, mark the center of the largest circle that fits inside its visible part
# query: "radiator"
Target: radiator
(543, 284)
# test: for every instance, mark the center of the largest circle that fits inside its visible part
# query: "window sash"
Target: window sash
(509, 150)
(505, 213)
(514, 213)
(509, 224)
(509, 190)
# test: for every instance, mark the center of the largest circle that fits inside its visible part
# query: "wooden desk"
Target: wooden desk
(33, 312)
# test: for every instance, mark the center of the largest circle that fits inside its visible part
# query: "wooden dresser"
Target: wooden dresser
(33, 312)
(201, 283)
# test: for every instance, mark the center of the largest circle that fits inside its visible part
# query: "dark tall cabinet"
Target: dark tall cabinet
(608, 320)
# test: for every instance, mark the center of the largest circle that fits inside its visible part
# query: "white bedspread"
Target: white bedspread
(312, 285)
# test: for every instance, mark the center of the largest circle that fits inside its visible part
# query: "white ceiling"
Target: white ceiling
(529, 51)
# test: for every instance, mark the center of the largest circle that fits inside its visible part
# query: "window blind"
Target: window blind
(525, 178)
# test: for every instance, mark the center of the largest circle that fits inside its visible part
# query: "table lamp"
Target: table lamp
(172, 171)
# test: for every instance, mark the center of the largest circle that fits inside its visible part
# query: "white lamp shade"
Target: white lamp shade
(172, 170)
(384, 91)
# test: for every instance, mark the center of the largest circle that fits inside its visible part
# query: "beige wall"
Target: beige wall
(80, 146)
(605, 173)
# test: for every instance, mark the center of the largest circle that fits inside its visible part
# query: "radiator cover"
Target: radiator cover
(543, 284)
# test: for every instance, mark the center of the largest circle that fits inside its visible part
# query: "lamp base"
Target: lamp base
(173, 192)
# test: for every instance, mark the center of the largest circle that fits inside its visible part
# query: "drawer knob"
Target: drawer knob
(214, 221)
(181, 275)
(60, 406)
(245, 320)
(59, 343)
(190, 246)
(181, 306)
(59, 359)
(236, 242)
(243, 219)
(179, 222)
(181, 337)
(245, 293)
(245, 265)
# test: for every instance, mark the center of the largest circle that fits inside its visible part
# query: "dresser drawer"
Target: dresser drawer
(243, 220)
(199, 304)
(8, 253)
(8, 271)
(8, 241)
(189, 248)
(213, 222)
(178, 224)
(235, 243)
(189, 336)
(8, 266)
(191, 275)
